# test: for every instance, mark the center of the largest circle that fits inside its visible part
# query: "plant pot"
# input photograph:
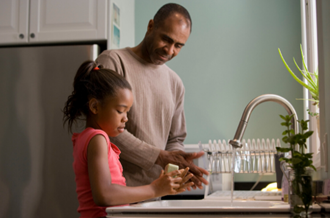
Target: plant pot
(301, 192)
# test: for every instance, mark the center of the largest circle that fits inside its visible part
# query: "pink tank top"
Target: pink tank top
(87, 207)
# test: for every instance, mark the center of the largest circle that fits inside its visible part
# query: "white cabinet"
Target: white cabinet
(14, 21)
(40, 21)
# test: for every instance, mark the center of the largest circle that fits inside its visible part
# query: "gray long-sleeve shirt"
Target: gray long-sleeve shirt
(156, 120)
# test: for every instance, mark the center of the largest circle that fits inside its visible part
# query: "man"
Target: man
(156, 129)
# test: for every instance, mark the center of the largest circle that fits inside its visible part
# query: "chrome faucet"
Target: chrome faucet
(236, 142)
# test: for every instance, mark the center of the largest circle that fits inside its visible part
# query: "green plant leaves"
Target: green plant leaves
(299, 159)
(296, 160)
(311, 78)
(279, 149)
(308, 134)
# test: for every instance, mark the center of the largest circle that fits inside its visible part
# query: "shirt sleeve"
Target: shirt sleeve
(135, 150)
(132, 148)
(111, 61)
(178, 131)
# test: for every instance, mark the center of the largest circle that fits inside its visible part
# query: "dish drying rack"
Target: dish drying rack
(256, 156)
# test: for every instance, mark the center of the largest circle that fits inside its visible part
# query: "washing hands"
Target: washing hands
(182, 174)
(172, 181)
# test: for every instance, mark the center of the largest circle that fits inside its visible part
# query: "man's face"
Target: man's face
(165, 41)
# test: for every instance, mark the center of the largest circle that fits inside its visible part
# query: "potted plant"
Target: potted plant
(301, 166)
(312, 84)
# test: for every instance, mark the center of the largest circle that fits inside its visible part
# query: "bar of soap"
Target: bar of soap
(171, 167)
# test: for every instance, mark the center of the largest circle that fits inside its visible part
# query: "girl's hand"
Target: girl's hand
(167, 184)
(185, 178)
(171, 183)
(183, 160)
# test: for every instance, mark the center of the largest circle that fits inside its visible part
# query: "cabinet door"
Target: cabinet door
(14, 21)
(67, 20)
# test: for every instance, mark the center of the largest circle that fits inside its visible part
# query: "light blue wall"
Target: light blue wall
(230, 58)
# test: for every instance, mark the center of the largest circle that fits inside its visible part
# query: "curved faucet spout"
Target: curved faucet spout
(236, 142)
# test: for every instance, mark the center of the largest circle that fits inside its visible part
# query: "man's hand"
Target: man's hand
(183, 160)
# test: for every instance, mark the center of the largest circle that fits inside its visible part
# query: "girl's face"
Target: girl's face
(111, 114)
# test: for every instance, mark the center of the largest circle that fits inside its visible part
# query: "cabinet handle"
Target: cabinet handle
(32, 35)
(21, 36)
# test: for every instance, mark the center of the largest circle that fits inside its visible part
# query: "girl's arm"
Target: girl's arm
(107, 194)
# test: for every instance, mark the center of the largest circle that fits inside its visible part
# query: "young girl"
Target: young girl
(104, 98)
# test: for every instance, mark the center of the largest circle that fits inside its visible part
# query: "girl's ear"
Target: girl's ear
(93, 105)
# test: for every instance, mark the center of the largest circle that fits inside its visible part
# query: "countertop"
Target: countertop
(322, 210)
(269, 215)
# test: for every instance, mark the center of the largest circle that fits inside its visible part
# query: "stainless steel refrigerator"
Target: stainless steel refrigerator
(36, 175)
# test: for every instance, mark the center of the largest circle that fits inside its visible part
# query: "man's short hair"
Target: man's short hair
(168, 9)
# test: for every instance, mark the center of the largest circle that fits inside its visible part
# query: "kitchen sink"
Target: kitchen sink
(204, 206)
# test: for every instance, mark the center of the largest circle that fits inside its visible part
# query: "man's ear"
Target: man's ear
(93, 105)
(151, 26)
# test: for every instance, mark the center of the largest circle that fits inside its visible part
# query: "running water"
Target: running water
(232, 174)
